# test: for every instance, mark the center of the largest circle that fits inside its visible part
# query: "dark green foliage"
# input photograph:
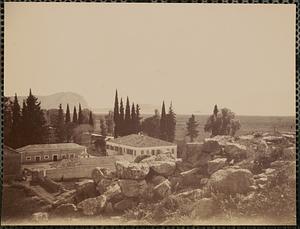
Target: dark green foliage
(80, 115)
(16, 130)
(216, 110)
(68, 115)
(163, 123)
(151, 125)
(60, 126)
(138, 119)
(133, 128)
(75, 119)
(91, 119)
(116, 116)
(121, 120)
(7, 112)
(191, 126)
(103, 127)
(170, 124)
(109, 122)
(127, 121)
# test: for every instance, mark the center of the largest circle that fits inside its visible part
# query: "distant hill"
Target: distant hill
(64, 98)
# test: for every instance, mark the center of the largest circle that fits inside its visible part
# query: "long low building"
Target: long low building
(51, 152)
(136, 144)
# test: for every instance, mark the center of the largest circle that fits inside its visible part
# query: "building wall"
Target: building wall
(116, 149)
(49, 155)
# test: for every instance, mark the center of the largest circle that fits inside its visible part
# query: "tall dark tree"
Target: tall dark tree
(163, 123)
(216, 110)
(121, 119)
(68, 115)
(151, 125)
(16, 130)
(127, 121)
(75, 119)
(170, 124)
(7, 112)
(116, 116)
(33, 121)
(191, 127)
(80, 115)
(138, 118)
(91, 119)
(133, 129)
(103, 127)
(60, 126)
(109, 122)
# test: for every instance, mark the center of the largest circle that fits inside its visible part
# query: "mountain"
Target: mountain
(53, 101)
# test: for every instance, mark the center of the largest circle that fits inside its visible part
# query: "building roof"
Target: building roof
(8, 150)
(136, 140)
(37, 147)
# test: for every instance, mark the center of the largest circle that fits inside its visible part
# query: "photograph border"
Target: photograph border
(297, 65)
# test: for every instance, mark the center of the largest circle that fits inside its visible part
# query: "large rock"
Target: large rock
(215, 165)
(273, 139)
(191, 177)
(103, 185)
(65, 210)
(125, 204)
(203, 158)
(165, 168)
(65, 197)
(231, 180)
(163, 189)
(98, 174)
(157, 180)
(289, 154)
(216, 143)
(132, 188)
(113, 191)
(92, 206)
(135, 171)
(85, 190)
(235, 151)
(192, 194)
(141, 157)
(203, 208)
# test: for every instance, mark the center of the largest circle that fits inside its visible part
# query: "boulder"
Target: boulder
(83, 184)
(216, 143)
(109, 208)
(157, 180)
(125, 204)
(235, 151)
(273, 139)
(40, 217)
(191, 177)
(132, 188)
(262, 147)
(216, 164)
(176, 182)
(192, 194)
(65, 197)
(163, 189)
(278, 164)
(231, 180)
(97, 174)
(92, 206)
(135, 171)
(141, 157)
(193, 150)
(289, 154)
(203, 208)
(165, 168)
(103, 185)
(85, 191)
(262, 180)
(204, 181)
(65, 210)
(113, 191)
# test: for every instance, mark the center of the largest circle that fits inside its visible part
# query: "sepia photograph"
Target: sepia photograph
(149, 114)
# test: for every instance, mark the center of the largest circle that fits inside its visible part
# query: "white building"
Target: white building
(136, 144)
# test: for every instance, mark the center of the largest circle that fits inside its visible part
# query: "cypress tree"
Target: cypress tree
(116, 116)
(121, 119)
(80, 115)
(33, 121)
(127, 122)
(68, 115)
(103, 127)
(191, 126)
(7, 122)
(137, 119)
(91, 119)
(170, 124)
(133, 127)
(216, 110)
(163, 123)
(60, 127)
(15, 135)
(75, 120)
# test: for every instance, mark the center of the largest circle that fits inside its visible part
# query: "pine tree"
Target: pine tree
(116, 116)
(109, 122)
(16, 129)
(91, 119)
(68, 115)
(75, 119)
(60, 126)
(127, 122)
(121, 119)
(137, 119)
(80, 115)
(7, 122)
(191, 126)
(133, 127)
(33, 121)
(163, 123)
(170, 124)
(103, 127)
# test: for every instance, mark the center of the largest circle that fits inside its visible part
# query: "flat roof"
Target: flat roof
(136, 140)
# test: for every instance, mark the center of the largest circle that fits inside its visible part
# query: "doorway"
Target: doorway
(55, 157)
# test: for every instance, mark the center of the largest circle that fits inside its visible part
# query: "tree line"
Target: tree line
(162, 125)
(126, 121)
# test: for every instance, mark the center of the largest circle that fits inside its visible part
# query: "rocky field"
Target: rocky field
(249, 179)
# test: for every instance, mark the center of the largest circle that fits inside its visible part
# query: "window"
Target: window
(37, 158)
(134, 152)
(71, 155)
(142, 152)
(173, 151)
(153, 152)
(46, 157)
(63, 156)
(148, 152)
(28, 158)
(157, 151)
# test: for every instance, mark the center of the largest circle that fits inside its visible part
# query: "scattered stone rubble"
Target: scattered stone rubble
(221, 164)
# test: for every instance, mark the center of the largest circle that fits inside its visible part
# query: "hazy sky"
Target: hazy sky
(197, 55)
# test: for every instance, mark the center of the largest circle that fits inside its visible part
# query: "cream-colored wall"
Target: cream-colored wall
(141, 150)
